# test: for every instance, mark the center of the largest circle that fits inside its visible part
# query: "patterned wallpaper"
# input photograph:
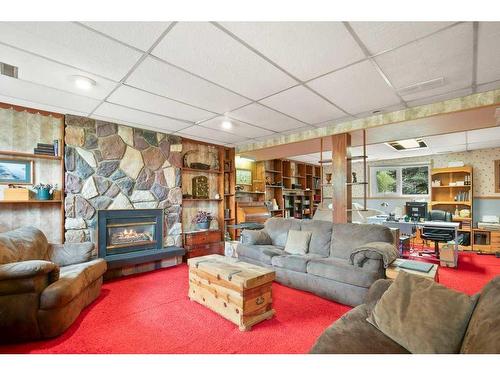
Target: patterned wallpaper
(482, 162)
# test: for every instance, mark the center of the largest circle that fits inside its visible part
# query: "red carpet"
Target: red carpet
(150, 313)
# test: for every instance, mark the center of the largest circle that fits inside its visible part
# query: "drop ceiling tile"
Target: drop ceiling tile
(141, 35)
(138, 118)
(489, 86)
(210, 135)
(304, 49)
(357, 88)
(493, 143)
(37, 105)
(43, 95)
(51, 74)
(381, 36)
(267, 118)
(202, 48)
(444, 140)
(447, 54)
(488, 52)
(71, 44)
(439, 98)
(238, 128)
(482, 135)
(163, 79)
(194, 138)
(134, 98)
(303, 104)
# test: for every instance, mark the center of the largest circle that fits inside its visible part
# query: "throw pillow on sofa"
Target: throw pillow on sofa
(423, 316)
(297, 242)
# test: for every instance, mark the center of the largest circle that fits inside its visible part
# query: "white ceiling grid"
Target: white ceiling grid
(268, 78)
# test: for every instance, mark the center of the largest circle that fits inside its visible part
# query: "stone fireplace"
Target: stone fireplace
(111, 166)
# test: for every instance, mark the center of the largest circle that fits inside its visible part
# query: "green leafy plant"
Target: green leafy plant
(386, 181)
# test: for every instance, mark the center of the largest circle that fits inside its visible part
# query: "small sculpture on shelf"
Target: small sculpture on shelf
(354, 178)
(328, 177)
(269, 181)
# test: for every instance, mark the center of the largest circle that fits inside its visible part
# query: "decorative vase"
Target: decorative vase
(43, 194)
(328, 178)
(204, 225)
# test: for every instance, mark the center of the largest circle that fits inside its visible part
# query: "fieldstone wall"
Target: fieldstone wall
(112, 166)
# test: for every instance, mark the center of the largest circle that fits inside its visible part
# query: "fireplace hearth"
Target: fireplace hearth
(132, 237)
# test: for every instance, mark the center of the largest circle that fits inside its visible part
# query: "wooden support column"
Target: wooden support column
(341, 179)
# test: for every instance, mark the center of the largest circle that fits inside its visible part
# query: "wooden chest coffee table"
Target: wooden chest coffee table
(240, 292)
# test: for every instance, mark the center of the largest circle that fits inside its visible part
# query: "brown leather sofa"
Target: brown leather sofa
(352, 334)
(44, 287)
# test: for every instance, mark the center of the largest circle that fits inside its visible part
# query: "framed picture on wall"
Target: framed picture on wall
(16, 171)
(243, 177)
(497, 176)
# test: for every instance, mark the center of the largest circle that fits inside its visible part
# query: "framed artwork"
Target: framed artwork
(497, 176)
(18, 172)
(243, 177)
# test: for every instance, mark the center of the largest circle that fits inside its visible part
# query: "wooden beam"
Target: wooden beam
(341, 175)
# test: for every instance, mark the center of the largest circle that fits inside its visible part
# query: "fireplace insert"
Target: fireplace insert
(132, 236)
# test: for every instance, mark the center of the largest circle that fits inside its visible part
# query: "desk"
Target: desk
(410, 227)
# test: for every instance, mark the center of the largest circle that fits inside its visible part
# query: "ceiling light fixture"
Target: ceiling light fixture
(83, 83)
(407, 144)
(226, 124)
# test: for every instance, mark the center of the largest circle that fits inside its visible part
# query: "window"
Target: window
(399, 181)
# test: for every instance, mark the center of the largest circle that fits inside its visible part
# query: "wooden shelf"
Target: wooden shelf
(229, 195)
(464, 203)
(250, 192)
(33, 201)
(356, 183)
(451, 186)
(201, 200)
(229, 219)
(28, 155)
(273, 171)
(215, 171)
(274, 187)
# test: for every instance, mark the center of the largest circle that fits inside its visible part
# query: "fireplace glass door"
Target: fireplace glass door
(126, 237)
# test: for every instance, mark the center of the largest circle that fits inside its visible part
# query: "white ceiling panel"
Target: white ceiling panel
(488, 86)
(440, 98)
(481, 135)
(42, 71)
(484, 144)
(135, 98)
(35, 93)
(201, 48)
(267, 118)
(304, 105)
(42, 107)
(71, 44)
(211, 135)
(358, 88)
(138, 118)
(488, 52)
(381, 36)
(163, 79)
(446, 54)
(304, 49)
(442, 140)
(238, 128)
(141, 35)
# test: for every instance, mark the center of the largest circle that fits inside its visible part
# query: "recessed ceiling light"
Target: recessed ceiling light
(83, 83)
(226, 124)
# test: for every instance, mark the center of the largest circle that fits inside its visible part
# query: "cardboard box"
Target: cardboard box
(447, 256)
(10, 194)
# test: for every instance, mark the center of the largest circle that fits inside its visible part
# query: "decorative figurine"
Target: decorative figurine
(354, 178)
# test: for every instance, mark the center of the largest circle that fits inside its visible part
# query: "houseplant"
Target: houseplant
(202, 220)
(44, 191)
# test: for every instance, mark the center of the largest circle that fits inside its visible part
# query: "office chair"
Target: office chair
(437, 234)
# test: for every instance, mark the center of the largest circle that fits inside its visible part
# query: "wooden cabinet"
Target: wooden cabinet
(486, 241)
(199, 243)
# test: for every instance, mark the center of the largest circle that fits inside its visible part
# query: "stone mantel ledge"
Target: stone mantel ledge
(408, 114)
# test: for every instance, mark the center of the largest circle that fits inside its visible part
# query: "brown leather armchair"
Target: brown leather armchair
(43, 286)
